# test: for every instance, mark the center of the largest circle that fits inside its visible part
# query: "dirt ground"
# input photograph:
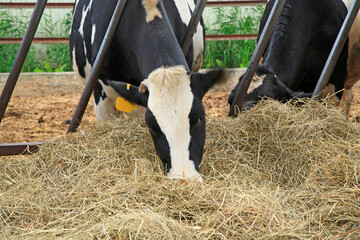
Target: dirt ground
(41, 107)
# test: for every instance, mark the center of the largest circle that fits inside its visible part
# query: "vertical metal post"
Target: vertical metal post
(336, 50)
(21, 56)
(193, 23)
(96, 68)
(255, 59)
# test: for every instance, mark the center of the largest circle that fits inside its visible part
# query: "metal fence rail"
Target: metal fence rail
(225, 37)
(71, 5)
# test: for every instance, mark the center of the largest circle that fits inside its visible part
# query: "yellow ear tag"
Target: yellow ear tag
(124, 105)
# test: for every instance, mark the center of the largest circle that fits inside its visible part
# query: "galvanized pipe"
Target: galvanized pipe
(193, 23)
(95, 70)
(336, 50)
(255, 59)
(21, 56)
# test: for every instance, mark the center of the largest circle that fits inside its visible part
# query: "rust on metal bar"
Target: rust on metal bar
(36, 40)
(32, 5)
(235, 3)
(19, 148)
(231, 37)
(71, 5)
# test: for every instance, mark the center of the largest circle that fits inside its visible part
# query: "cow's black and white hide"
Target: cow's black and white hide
(146, 50)
(297, 51)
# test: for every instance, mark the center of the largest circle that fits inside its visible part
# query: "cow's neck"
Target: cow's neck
(285, 61)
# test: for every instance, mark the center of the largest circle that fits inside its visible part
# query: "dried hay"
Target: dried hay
(278, 171)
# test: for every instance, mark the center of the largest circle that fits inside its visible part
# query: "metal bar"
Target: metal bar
(45, 40)
(19, 148)
(336, 50)
(231, 37)
(235, 3)
(255, 59)
(95, 70)
(32, 5)
(71, 5)
(21, 55)
(193, 23)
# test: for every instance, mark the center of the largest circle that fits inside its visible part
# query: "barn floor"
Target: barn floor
(42, 103)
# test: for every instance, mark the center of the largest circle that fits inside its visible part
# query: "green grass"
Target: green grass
(232, 54)
(41, 57)
(56, 57)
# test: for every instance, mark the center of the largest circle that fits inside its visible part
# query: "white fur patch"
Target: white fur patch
(170, 101)
(106, 108)
(184, 7)
(83, 16)
(109, 91)
(151, 10)
(85, 11)
(87, 68)
(93, 30)
(256, 82)
(75, 66)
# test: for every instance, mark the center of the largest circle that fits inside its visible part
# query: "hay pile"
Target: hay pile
(275, 172)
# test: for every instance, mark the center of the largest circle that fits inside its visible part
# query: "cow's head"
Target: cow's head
(174, 115)
(265, 84)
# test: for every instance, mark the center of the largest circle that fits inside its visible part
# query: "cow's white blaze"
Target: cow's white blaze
(184, 7)
(170, 101)
(256, 82)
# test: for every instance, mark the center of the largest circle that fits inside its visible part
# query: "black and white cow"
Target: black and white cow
(297, 51)
(146, 54)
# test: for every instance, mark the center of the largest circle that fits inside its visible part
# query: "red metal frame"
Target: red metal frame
(231, 37)
(36, 40)
(71, 5)
(32, 5)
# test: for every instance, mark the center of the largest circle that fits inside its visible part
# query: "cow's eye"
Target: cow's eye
(201, 120)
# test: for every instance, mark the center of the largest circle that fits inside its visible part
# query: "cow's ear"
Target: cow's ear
(202, 82)
(129, 92)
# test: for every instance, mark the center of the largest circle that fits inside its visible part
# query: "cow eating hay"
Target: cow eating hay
(278, 171)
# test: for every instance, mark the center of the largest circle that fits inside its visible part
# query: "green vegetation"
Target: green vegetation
(56, 57)
(41, 57)
(232, 54)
